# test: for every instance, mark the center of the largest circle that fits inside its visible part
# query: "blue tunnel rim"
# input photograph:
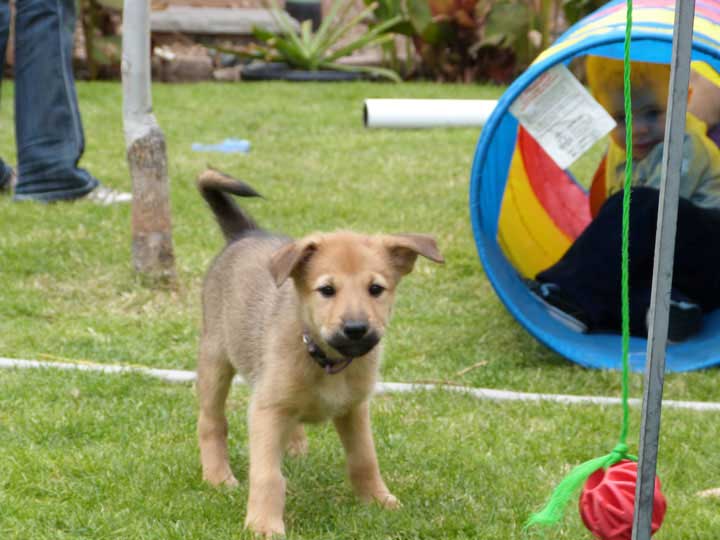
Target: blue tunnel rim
(581, 48)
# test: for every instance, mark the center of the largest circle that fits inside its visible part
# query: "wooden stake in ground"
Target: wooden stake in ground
(152, 249)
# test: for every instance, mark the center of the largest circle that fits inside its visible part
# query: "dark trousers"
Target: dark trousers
(589, 272)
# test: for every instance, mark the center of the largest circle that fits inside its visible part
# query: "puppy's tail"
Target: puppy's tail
(216, 188)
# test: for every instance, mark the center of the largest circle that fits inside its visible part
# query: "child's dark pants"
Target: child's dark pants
(589, 272)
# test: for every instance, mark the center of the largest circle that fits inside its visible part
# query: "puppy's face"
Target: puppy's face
(347, 281)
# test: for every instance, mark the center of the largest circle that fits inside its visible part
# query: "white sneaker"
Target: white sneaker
(106, 196)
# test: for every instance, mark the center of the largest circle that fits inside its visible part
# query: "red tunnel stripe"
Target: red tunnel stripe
(565, 202)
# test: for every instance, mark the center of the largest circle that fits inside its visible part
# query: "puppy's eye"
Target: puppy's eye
(327, 291)
(375, 290)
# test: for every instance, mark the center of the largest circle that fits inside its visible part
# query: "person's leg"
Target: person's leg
(589, 274)
(5, 171)
(696, 273)
(48, 128)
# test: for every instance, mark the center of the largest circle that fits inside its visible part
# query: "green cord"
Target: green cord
(625, 294)
(552, 512)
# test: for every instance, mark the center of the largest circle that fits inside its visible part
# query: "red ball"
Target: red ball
(608, 499)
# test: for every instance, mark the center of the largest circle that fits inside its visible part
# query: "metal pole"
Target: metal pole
(663, 267)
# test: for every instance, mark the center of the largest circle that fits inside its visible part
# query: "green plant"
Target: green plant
(530, 26)
(448, 38)
(574, 10)
(445, 32)
(305, 49)
(513, 24)
(467, 40)
(387, 10)
(102, 41)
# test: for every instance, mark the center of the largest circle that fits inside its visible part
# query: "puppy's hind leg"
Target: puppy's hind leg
(298, 444)
(214, 377)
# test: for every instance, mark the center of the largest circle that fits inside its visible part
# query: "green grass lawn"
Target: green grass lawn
(88, 456)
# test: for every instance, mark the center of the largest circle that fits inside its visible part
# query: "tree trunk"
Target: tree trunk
(152, 249)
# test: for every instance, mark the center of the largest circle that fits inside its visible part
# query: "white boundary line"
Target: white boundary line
(181, 376)
(170, 375)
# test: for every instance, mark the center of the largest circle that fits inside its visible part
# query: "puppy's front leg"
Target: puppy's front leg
(213, 383)
(356, 436)
(269, 430)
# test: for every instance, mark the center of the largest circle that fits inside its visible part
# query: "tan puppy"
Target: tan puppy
(302, 321)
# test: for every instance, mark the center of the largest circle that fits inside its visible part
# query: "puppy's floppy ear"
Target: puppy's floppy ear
(289, 259)
(404, 249)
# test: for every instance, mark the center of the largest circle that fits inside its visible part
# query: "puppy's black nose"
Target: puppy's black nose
(355, 329)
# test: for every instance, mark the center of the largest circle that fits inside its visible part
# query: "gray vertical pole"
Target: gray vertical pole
(663, 267)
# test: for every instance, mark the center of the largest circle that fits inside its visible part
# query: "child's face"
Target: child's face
(648, 122)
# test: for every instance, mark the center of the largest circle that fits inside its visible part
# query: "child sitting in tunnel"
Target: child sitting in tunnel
(583, 288)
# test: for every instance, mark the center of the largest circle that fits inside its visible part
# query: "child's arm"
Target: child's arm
(705, 169)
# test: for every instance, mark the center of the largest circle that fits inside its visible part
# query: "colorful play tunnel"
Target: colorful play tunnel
(526, 211)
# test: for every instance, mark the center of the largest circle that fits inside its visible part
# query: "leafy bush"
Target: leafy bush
(448, 38)
(469, 40)
(308, 50)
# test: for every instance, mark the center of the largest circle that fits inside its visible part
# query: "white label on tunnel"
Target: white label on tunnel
(561, 115)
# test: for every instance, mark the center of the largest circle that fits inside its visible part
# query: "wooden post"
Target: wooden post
(152, 249)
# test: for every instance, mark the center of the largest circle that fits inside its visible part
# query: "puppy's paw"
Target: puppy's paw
(265, 528)
(382, 498)
(388, 501)
(298, 444)
(230, 482)
(221, 479)
(297, 448)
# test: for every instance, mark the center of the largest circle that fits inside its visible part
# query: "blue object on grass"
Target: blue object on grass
(228, 146)
(601, 33)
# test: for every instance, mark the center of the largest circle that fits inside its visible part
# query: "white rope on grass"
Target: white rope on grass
(182, 376)
(170, 375)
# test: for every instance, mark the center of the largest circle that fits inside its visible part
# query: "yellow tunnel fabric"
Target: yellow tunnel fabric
(527, 235)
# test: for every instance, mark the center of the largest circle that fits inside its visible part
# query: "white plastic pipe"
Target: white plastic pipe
(426, 113)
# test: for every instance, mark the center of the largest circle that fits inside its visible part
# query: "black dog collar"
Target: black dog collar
(330, 366)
